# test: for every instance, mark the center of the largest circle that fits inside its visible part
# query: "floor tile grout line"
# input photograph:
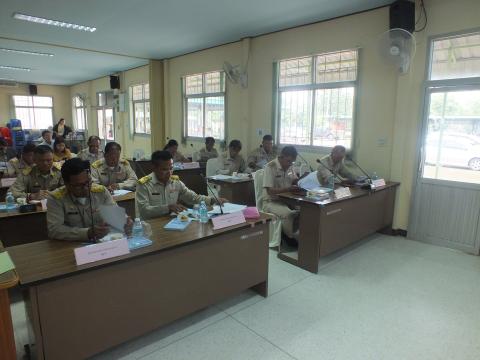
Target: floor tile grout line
(184, 337)
(264, 338)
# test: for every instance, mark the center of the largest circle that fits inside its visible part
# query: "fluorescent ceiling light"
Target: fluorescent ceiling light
(25, 52)
(7, 67)
(44, 21)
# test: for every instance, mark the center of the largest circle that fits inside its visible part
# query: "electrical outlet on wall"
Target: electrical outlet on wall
(382, 142)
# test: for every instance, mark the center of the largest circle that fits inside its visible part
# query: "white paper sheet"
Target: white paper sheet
(309, 182)
(120, 192)
(221, 177)
(228, 208)
(114, 215)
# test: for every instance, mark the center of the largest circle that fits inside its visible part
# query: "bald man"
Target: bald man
(335, 164)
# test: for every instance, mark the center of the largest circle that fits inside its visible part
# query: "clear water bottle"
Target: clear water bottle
(10, 202)
(137, 231)
(331, 182)
(203, 212)
(195, 211)
(374, 176)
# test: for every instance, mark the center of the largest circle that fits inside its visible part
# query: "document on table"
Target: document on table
(6, 263)
(114, 215)
(120, 192)
(309, 182)
(228, 208)
(221, 177)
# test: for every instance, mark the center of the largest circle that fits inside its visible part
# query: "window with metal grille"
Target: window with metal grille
(140, 108)
(35, 112)
(80, 113)
(204, 105)
(316, 99)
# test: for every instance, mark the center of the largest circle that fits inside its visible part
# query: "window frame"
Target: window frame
(33, 107)
(132, 108)
(313, 86)
(203, 95)
(75, 112)
(104, 108)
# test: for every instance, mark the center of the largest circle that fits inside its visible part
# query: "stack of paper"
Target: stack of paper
(120, 192)
(228, 208)
(177, 224)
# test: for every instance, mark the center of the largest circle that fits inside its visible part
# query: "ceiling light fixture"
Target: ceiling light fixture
(25, 52)
(44, 21)
(8, 67)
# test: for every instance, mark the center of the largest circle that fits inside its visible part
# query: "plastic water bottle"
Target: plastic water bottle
(137, 231)
(331, 182)
(374, 176)
(203, 212)
(10, 202)
(195, 211)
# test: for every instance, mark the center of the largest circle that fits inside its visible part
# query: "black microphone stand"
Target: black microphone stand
(213, 194)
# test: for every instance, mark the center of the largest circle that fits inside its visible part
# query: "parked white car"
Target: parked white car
(457, 150)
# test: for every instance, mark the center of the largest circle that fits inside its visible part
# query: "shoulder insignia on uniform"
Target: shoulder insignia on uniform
(97, 164)
(174, 177)
(57, 165)
(97, 188)
(14, 160)
(27, 171)
(59, 192)
(144, 179)
(124, 161)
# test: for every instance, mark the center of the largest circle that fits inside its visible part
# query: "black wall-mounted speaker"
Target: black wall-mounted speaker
(32, 89)
(402, 15)
(114, 82)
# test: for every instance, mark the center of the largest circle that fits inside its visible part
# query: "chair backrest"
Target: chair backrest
(196, 156)
(213, 165)
(258, 186)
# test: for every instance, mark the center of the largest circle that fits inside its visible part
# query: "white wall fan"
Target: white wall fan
(397, 46)
(235, 74)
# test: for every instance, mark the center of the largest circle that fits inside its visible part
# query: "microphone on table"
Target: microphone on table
(88, 170)
(331, 171)
(358, 166)
(213, 194)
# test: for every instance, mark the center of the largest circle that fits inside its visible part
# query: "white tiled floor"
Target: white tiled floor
(386, 298)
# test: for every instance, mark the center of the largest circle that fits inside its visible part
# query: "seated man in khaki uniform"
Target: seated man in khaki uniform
(16, 166)
(333, 164)
(161, 193)
(279, 177)
(208, 152)
(112, 172)
(71, 208)
(172, 148)
(262, 155)
(34, 183)
(231, 161)
(93, 152)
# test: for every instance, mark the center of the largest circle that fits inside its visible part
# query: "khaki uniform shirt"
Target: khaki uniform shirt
(339, 169)
(275, 177)
(152, 198)
(229, 165)
(16, 166)
(31, 181)
(85, 154)
(260, 157)
(68, 219)
(205, 155)
(122, 174)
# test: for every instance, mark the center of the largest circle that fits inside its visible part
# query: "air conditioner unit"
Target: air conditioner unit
(8, 83)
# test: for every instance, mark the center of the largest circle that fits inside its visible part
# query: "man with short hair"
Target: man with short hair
(73, 207)
(47, 138)
(333, 164)
(112, 172)
(35, 183)
(5, 155)
(231, 161)
(26, 161)
(161, 193)
(262, 155)
(93, 152)
(208, 152)
(279, 177)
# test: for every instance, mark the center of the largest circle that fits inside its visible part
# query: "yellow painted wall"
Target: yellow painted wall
(61, 101)
(123, 133)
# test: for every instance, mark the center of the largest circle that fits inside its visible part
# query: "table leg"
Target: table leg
(7, 340)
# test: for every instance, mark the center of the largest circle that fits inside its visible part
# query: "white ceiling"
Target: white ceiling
(130, 32)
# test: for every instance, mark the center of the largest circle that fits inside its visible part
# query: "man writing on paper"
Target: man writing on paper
(280, 177)
(208, 152)
(262, 155)
(112, 172)
(335, 164)
(161, 193)
(71, 208)
(231, 161)
(34, 183)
